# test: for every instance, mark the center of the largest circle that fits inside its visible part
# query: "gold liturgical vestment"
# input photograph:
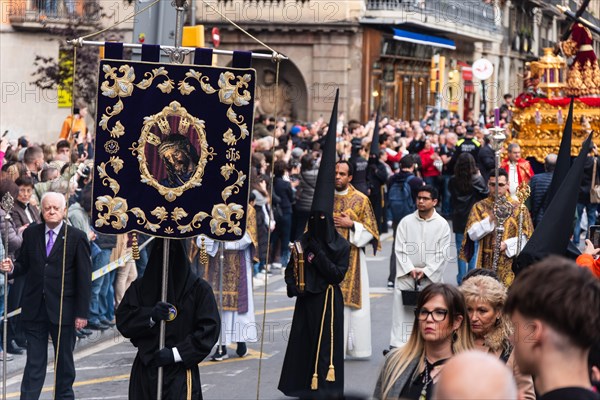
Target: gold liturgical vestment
(233, 261)
(485, 257)
(358, 207)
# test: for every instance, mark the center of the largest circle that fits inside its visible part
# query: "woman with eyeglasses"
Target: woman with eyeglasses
(485, 298)
(441, 329)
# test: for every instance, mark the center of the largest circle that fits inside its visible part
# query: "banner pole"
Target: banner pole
(163, 298)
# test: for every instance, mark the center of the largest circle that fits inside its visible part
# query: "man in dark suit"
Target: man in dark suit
(41, 261)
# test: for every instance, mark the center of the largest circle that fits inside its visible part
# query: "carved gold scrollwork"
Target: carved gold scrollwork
(149, 77)
(179, 213)
(223, 214)
(230, 94)
(117, 165)
(123, 85)
(116, 207)
(185, 88)
(226, 171)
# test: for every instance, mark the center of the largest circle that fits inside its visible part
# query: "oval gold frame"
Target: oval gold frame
(173, 109)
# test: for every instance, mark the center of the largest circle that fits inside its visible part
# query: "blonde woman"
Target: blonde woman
(485, 298)
(441, 329)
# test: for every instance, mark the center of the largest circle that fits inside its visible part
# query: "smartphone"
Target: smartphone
(5, 133)
(594, 235)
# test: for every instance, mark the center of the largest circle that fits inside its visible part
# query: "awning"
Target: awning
(420, 38)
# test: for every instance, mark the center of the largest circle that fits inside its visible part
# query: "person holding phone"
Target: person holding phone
(589, 258)
(74, 125)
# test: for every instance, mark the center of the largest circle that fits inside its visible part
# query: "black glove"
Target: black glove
(314, 245)
(161, 311)
(163, 357)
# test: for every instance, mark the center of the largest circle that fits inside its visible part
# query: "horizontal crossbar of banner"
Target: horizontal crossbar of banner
(80, 42)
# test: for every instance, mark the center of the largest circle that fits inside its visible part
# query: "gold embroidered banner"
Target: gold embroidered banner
(173, 149)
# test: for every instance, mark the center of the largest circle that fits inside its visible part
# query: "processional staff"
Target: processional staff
(7, 205)
(502, 207)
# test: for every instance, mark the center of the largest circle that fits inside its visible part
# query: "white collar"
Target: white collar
(55, 230)
(341, 192)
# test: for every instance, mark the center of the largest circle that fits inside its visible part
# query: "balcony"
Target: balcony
(475, 19)
(49, 15)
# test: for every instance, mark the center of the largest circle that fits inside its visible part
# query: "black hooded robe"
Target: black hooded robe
(324, 265)
(193, 332)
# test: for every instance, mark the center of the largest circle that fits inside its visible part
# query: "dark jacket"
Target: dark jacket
(18, 214)
(415, 183)
(44, 275)
(539, 185)
(283, 190)
(486, 161)
(586, 180)
(359, 177)
(465, 145)
(463, 202)
(306, 189)
(106, 242)
(14, 238)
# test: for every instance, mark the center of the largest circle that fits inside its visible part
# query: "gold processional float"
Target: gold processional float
(540, 113)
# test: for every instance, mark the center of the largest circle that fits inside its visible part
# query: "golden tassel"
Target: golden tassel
(331, 374)
(135, 249)
(315, 382)
(188, 379)
(315, 379)
(203, 256)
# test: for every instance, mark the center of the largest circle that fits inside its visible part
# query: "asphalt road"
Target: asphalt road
(103, 366)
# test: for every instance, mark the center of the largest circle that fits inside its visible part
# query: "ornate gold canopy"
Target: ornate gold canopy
(538, 128)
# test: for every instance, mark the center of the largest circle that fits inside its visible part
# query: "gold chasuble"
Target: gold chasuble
(485, 256)
(234, 265)
(358, 207)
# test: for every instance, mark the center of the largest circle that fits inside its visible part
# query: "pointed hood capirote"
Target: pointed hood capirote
(563, 161)
(553, 233)
(374, 153)
(325, 187)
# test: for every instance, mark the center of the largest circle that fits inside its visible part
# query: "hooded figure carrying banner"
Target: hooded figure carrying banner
(314, 360)
(192, 327)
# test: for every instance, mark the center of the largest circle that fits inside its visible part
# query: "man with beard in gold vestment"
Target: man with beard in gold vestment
(481, 227)
(354, 219)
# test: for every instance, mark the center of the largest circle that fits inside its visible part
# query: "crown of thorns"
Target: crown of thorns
(173, 141)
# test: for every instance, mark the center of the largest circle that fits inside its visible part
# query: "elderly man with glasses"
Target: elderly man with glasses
(481, 226)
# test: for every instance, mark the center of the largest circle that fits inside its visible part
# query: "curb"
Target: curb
(17, 365)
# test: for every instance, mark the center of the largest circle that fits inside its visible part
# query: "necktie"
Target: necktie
(50, 243)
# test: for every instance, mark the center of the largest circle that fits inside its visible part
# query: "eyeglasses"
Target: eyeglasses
(438, 315)
(494, 184)
(419, 198)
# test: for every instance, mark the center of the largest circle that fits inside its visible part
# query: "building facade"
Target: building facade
(377, 52)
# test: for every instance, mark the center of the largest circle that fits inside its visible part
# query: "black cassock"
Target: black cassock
(325, 267)
(193, 332)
